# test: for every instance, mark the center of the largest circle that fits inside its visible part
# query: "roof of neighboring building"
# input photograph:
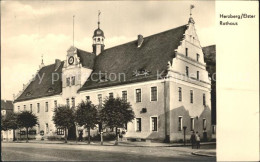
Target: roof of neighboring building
(47, 86)
(152, 57)
(7, 105)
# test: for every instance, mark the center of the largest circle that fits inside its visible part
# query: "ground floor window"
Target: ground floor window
(32, 132)
(180, 123)
(154, 123)
(60, 131)
(138, 124)
(204, 124)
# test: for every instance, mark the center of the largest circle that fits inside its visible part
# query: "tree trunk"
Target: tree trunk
(88, 135)
(101, 137)
(7, 131)
(66, 136)
(26, 134)
(116, 142)
(20, 134)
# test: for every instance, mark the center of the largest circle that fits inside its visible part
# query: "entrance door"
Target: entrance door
(72, 133)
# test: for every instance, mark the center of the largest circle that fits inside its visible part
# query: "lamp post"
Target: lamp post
(184, 133)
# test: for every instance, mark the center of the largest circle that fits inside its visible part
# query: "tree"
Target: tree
(64, 118)
(116, 112)
(86, 115)
(27, 120)
(10, 122)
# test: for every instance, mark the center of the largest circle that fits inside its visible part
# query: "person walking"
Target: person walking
(192, 139)
(197, 140)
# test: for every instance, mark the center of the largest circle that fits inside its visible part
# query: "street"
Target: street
(65, 152)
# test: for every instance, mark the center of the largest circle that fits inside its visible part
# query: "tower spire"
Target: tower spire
(191, 19)
(99, 18)
(191, 7)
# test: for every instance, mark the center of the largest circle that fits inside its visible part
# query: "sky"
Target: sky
(30, 29)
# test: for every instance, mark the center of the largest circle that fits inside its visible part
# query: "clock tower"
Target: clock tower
(98, 39)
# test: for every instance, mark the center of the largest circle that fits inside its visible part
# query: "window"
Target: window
(187, 70)
(153, 93)
(87, 98)
(198, 75)
(32, 132)
(191, 124)
(31, 107)
(154, 123)
(73, 102)
(60, 131)
(180, 123)
(111, 95)
(138, 95)
(138, 125)
(180, 94)
(100, 99)
(47, 128)
(204, 124)
(38, 107)
(198, 56)
(191, 96)
(46, 106)
(98, 39)
(24, 107)
(73, 80)
(124, 95)
(18, 108)
(55, 104)
(204, 99)
(186, 52)
(68, 102)
(68, 81)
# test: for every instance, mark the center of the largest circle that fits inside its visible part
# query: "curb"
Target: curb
(199, 154)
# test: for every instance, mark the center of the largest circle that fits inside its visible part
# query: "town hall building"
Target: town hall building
(163, 76)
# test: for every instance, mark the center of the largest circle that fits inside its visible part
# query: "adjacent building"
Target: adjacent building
(6, 108)
(163, 76)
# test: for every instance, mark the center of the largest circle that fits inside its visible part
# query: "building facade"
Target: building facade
(163, 76)
(7, 107)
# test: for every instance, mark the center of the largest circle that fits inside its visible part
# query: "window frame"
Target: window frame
(46, 106)
(180, 123)
(151, 125)
(124, 97)
(137, 101)
(60, 131)
(139, 125)
(31, 107)
(38, 107)
(180, 93)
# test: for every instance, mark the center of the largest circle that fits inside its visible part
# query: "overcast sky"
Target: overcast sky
(30, 29)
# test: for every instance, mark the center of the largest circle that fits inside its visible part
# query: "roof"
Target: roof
(127, 59)
(98, 32)
(45, 87)
(86, 58)
(7, 105)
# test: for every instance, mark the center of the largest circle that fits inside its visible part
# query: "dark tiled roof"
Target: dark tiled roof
(153, 55)
(7, 105)
(46, 87)
(86, 58)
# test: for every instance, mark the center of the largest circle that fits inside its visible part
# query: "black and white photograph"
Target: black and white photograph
(108, 81)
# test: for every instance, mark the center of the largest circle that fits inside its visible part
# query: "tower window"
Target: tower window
(180, 94)
(187, 70)
(186, 52)
(198, 56)
(198, 75)
(191, 96)
(38, 107)
(204, 99)
(98, 40)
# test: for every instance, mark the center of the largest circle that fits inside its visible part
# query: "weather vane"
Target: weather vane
(191, 7)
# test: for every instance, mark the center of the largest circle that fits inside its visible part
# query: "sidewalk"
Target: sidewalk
(120, 143)
(209, 153)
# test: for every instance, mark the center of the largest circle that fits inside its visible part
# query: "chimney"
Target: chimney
(57, 63)
(140, 40)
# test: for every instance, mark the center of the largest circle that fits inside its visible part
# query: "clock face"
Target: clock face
(71, 60)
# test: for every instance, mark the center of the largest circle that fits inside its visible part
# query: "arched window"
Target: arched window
(98, 39)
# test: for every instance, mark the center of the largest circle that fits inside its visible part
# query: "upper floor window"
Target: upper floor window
(55, 104)
(38, 107)
(111, 95)
(124, 95)
(24, 107)
(68, 81)
(187, 70)
(73, 102)
(153, 93)
(186, 52)
(46, 106)
(138, 95)
(191, 96)
(68, 102)
(31, 107)
(73, 80)
(204, 99)
(180, 94)
(198, 57)
(100, 99)
(198, 75)
(154, 123)
(180, 123)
